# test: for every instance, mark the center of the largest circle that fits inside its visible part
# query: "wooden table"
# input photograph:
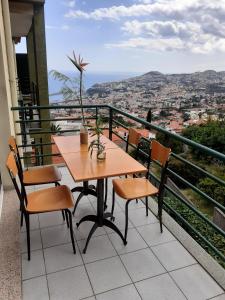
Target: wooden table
(71, 144)
(84, 168)
(68, 144)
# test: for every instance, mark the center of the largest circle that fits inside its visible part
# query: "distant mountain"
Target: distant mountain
(208, 81)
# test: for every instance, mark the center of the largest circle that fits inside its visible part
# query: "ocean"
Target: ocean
(89, 79)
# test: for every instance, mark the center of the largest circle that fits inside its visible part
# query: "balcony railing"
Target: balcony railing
(176, 201)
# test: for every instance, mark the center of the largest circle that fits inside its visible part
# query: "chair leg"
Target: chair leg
(27, 220)
(106, 193)
(71, 230)
(146, 205)
(67, 220)
(113, 204)
(21, 218)
(136, 200)
(126, 220)
(76, 203)
(160, 204)
(63, 215)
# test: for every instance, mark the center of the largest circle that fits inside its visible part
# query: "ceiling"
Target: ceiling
(21, 16)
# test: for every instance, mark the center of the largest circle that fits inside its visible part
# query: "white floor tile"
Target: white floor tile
(43, 186)
(142, 264)
(35, 240)
(34, 223)
(221, 297)
(84, 229)
(64, 171)
(51, 219)
(119, 222)
(133, 205)
(134, 241)
(84, 208)
(61, 257)
(160, 287)
(152, 235)
(107, 274)
(196, 283)
(173, 255)
(68, 180)
(69, 284)
(55, 235)
(138, 217)
(99, 247)
(35, 289)
(127, 292)
(35, 267)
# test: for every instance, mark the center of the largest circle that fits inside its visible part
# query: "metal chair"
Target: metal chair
(52, 199)
(35, 176)
(134, 188)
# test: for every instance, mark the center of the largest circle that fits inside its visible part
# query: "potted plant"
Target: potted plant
(97, 144)
(56, 129)
(70, 90)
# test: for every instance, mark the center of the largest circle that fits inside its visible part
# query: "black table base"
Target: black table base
(101, 219)
(84, 190)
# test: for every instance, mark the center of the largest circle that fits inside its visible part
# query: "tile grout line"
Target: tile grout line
(86, 271)
(124, 265)
(44, 261)
(214, 297)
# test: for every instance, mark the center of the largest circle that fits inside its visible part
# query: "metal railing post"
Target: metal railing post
(110, 122)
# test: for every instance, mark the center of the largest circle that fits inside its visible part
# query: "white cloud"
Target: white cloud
(162, 28)
(150, 44)
(53, 27)
(70, 3)
(177, 9)
(197, 26)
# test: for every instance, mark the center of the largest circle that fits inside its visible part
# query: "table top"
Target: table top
(82, 167)
(71, 144)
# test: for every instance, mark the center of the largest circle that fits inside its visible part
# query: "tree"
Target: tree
(186, 172)
(212, 189)
(176, 146)
(210, 134)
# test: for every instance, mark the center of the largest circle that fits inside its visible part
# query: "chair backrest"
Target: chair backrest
(12, 166)
(13, 147)
(160, 153)
(134, 137)
(12, 144)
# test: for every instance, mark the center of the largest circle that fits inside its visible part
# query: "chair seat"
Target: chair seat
(133, 188)
(49, 174)
(51, 199)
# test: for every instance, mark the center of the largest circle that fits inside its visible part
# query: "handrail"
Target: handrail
(173, 135)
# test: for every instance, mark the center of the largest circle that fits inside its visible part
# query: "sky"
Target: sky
(137, 36)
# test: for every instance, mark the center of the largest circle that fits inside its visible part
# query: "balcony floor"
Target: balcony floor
(153, 266)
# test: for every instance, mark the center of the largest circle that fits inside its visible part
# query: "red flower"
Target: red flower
(79, 64)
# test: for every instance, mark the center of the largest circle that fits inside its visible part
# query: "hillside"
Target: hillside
(208, 81)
